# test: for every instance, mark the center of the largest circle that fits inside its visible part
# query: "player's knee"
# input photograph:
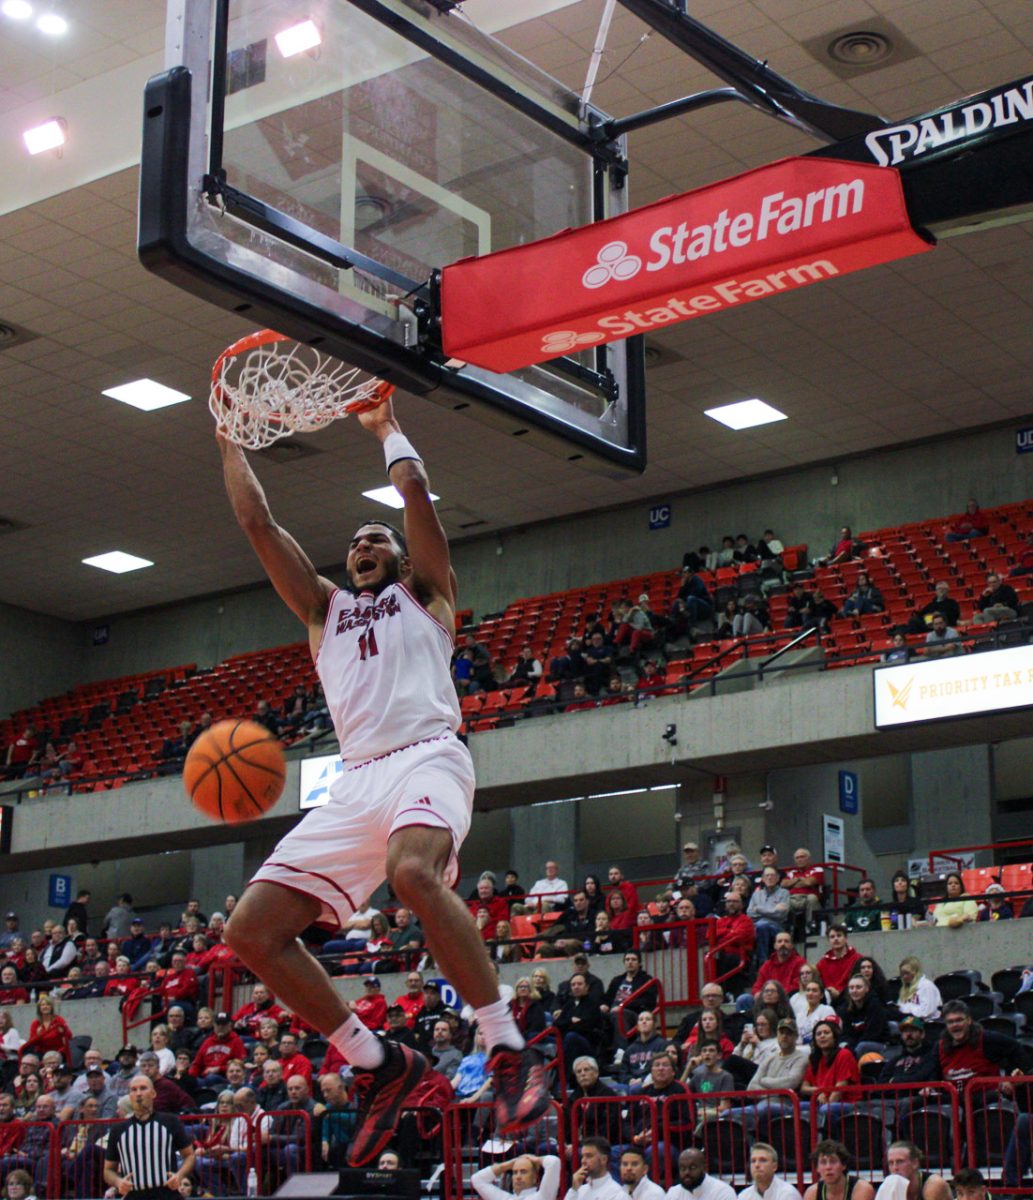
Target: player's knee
(412, 877)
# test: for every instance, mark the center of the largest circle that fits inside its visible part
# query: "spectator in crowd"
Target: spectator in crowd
(168, 1095)
(1025, 564)
(769, 546)
(215, 1051)
(78, 912)
(336, 1121)
(23, 752)
(783, 1069)
(262, 1004)
(693, 867)
(575, 926)
(798, 602)
(875, 977)
(411, 1000)
(941, 640)
(966, 1050)
(293, 1062)
(527, 671)
(434, 1010)
(769, 911)
(542, 984)
(273, 1089)
(708, 1030)
(784, 965)
(606, 940)
(772, 995)
(697, 599)
(843, 549)
(580, 1021)
(733, 943)
(267, 716)
(592, 1180)
(533, 1177)
(751, 619)
(919, 1062)
(495, 905)
(865, 598)
(766, 1184)
(634, 1171)
(831, 1161)
(568, 666)
(662, 1084)
(864, 1018)
(637, 1056)
(397, 1029)
(48, 1031)
(809, 1007)
(726, 621)
(899, 651)
(138, 944)
(33, 1152)
(11, 992)
(837, 964)
(606, 1119)
(119, 919)
(370, 1007)
(471, 1082)
(620, 992)
(865, 914)
(904, 907)
(818, 610)
(905, 1159)
(969, 524)
(445, 1058)
(11, 933)
(995, 907)
(997, 601)
(693, 1181)
(528, 1011)
(805, 882)
(745, 551)
(831, 1075)
(942, 602)
(617, 882)
(958, 909)
(550, 891)
(635, 629)
(758, 1037)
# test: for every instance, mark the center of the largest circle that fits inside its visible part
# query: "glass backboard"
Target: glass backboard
(313, 165)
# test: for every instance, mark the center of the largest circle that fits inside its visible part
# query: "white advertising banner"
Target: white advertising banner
(317, 774)
(959, 686)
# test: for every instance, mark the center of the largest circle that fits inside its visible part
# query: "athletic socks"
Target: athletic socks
(358, 1044)
(496, 1022)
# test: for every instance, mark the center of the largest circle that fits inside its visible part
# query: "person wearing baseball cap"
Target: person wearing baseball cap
(918, 1063)
(371, 1007)
(692, 868)
(10, 932)
(995, 907)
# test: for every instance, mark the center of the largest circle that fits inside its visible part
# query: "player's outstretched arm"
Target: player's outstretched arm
(289, 569)
(428, 545)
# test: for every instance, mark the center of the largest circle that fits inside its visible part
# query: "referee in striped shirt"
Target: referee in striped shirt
(141, 1156)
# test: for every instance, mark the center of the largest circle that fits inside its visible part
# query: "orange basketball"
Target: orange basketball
(234, 771)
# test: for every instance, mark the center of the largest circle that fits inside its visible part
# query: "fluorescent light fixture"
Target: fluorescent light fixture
(745, 414)
(298, 38)
(117, 562)
(48, 136)
(52, 24)
(17, 10)
(390, 496)
(145, 394)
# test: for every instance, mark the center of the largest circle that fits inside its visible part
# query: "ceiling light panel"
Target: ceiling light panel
(146, 395)
(117, 562)
(390, 496)
(745, 414)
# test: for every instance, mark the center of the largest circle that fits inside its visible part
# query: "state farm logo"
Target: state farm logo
(563, 340)
(612, 262)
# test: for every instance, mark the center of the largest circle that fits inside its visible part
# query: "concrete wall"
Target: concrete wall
(39, 657)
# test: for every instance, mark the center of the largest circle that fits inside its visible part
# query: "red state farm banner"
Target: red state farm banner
(783, 226)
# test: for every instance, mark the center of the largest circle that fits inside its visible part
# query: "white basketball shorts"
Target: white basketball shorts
(337, 853)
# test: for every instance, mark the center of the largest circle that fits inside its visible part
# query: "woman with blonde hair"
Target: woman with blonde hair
(48, 1031)
(919, 996)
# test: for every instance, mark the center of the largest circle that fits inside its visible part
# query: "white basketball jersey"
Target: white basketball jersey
(384, 663)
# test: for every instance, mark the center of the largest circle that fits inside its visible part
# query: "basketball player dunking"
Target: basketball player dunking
(401, 807)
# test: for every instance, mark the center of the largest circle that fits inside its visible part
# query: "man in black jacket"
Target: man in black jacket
(918, 1062)
(997, 602)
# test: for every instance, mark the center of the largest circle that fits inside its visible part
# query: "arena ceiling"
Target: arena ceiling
(930, 346)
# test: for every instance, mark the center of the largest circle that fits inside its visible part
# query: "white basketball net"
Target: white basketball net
(266, 387)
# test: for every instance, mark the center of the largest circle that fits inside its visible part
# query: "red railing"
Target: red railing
(950, 853)
(998, 1136)
(470, 1141)
(660, 1008)
(558, 1063)
(622, 1120)
(671, 950)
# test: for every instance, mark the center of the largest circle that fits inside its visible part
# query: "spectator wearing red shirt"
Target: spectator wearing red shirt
(22, 753)
(215, 1052)
(220, 955)
(969, 524)
(292, 1061)
(838, 963)
(48, 1031)
(262, 1004)
(804, 881)
(617, 910)
(371, 1007)
(830, 1075)
(734, 939)
(197, 953)
(10, 990)
(11, 1129)
(121, 983)
(179, 984)
(627, 890)
(498, 909)
(783, 966)
(411, 1000)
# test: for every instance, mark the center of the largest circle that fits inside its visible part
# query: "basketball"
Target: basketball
(234, 771)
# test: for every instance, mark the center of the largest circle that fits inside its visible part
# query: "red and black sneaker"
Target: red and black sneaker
(381, 1094)
(521, 1082)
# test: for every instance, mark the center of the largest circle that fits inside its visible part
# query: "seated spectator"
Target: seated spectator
(569, 665)
(580, 700)
(637, 1055)
(809, 1008)
(837, 964)
(758, 1036)
(580, 1021)
(621, 918)
(462, 672)
(1025, 564)
(708, 1077)
(831, 1075)
(997, 601)
(684, 913)
(769, 547)
(994, 906)
(818, 611)
(918, 996)
(527, 1008)
(865, 1024)
(295, 706)
(661, 1084)
(919, 1061)
(696, 598)
(942, 602)
(606, 940)
(726, 621)
(262, 1004)
(958, 909)
(620, 992)
(679, 623)
(865, 598)
(805, 882)
(708, 1030)
(267, 716)
(783, 1069)
(48, 1031)
(752, 619)
(636, 629)
(745, 551)
(799, 600)
(11, 991)
(214, 1053)
(527, 671)
(967, 1051)
(769, 910)
(831, 1161)
(370, 1007)
(899, 651)
(782, 967)
(843, 549)
(174, 748)
(941, 640)
(598, 656)
(576, 925)
(969, 524)
(904, 907)
(603, 1120)
(771, 996)
(865, 914)
(726, 555)
(22, 753)
(875, 977)
(472, 1079)
(445, 1058)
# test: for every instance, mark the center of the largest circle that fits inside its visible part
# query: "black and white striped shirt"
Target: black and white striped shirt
(146, 1151)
